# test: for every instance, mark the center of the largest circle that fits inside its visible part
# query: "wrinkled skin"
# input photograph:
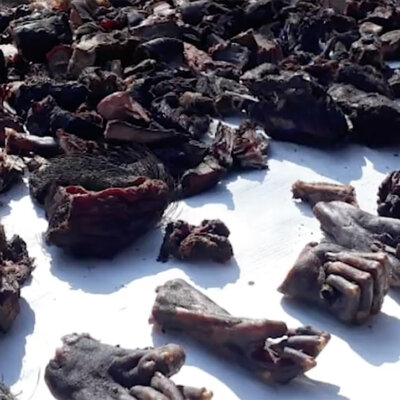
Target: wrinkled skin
(181, 307)
(314, 192)
(207, 241)
(350, 284)
(355, 229)
(85, 369)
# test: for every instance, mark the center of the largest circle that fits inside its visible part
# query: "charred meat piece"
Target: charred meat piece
(104, 168)
(367, 51)
(389, 196)
(363, 77)
(166, 50)
(68, 94)
(23, 144)
(207, 241)
(85, 369)
(203, 177)
(267, 348)
(350, 284)
(355, 229)
(89, 223)
(45, 118)
(5, 393)
(11, 171)
(375, 118)
(287, 103)
(314, 192)
(15, 268)
(37, 34)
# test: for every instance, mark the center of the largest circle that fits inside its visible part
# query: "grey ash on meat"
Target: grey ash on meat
(15, 269)
(86, 369)
(264, 347)
(184, 241)
(155, 75)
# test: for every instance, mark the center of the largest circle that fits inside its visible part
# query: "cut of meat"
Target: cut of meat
(267, 348)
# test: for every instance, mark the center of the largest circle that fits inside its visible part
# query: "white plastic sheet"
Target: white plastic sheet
(112, 300)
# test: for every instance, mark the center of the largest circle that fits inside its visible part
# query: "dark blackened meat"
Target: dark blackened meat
(38, 33)
(389, 196)
(295, 108)
(23, 144)
(109, 167)
(88, 223)
(85, 369)
(367, 51)
(196, 103)
(68, 94)
(375, 118)
(167, 50)
(100, 83)
(5, 393)
(355, 229)
(391, 44)
(267, 348)
(314, 192)
(350, 284)
(9, 121)
(207, 241)
(15, 268)
(45, 118)
(168, 112)
(232, 53)
(363, 77)
(203, 177)
(11, 171)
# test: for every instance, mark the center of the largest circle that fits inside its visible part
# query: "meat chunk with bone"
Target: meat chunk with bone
(314, 192)
(267, 348)
(207, 241)
(350, 284)
(85, 369)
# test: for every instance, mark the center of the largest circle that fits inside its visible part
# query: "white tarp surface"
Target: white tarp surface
(112, 300)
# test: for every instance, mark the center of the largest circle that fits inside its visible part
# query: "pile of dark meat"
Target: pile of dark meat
(114, 107)
(96, 94)
(266, 348)
(85, 369)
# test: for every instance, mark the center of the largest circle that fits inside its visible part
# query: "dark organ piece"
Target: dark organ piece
(5, 393)
(355, 229)
(314, 192)
(15, 268)
(85, 369)
(267, 348)
(389, 196)
(101, 223)
(350, 284)
(207, 241)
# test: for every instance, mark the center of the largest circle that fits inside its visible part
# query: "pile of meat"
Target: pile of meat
(131, 88)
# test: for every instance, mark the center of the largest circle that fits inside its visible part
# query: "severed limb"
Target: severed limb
(267, 348)
(85, 369)
(352, 285)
